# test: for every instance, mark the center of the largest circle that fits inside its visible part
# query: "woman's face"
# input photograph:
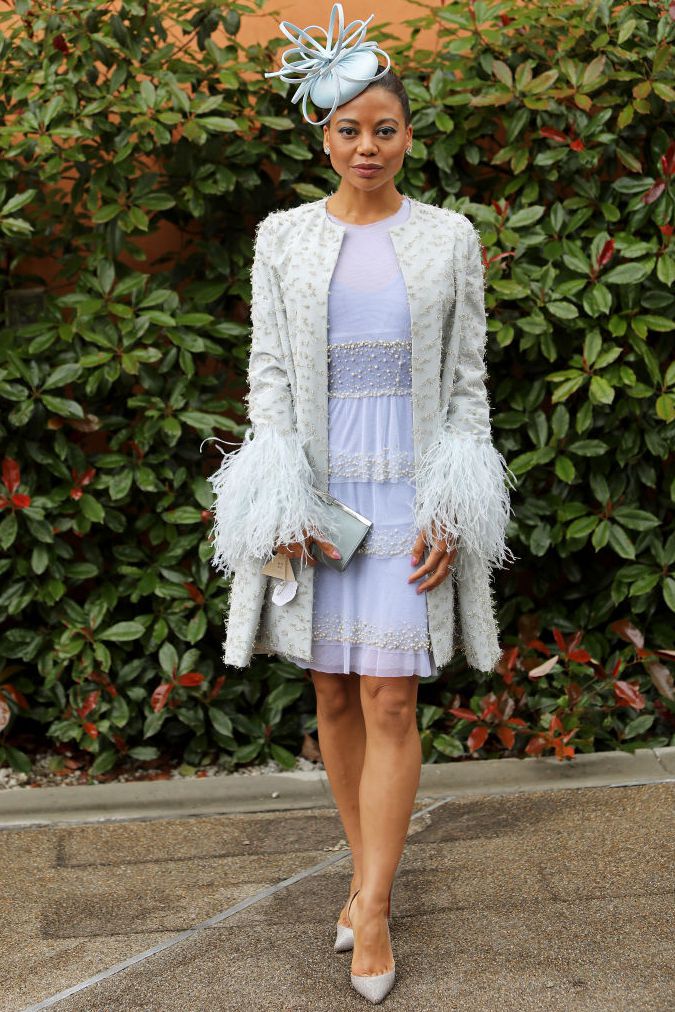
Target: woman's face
(368, 130)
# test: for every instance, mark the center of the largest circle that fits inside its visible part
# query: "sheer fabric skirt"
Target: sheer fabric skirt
(368, 619)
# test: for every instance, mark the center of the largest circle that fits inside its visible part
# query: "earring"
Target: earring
(408, 151)
(326, 151)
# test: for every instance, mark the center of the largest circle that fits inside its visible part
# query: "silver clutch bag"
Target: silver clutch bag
(350, 530)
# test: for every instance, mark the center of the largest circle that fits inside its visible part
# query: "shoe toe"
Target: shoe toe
(374, 988)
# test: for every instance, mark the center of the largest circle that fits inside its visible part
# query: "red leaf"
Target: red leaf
(627, 631)
(461, 711)
(103, 680)
(576, 640)
(506, 735)
(89, 704)
(553, 134)
(21, 501)
(217, 686)
(507, 662)
(654, 192)
(191, 678)
(560, 640)
(540, 646)
(194, 592)
(606, 253)
(668, 160)
(11, 474)
(477, 738)
(582, 656)
(16, 695)
(577, 144)
(628, 694)
(160, 696)
(60, 43)
(573, 693)
(76, 492)
(661, 678)
(563, 751)
(543, 669)
(536, 745)
(5, 714)
(91, 729)
(490, 708)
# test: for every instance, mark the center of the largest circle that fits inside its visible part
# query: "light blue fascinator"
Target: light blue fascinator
(333, 73)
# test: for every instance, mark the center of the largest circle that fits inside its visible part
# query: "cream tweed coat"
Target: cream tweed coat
(263, 489)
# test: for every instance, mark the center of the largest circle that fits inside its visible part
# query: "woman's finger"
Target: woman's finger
(435, 557)
(417, 551)
(437, 577)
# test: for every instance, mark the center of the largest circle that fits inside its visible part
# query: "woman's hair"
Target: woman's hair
(391, 82)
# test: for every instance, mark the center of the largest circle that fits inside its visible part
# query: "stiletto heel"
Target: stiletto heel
(344, 935)
(374, 987)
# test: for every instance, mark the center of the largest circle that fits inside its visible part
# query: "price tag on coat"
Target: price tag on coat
(285, 591)
(277, 567)
(281, 568)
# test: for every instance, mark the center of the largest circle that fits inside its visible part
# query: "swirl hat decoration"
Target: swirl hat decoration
(333, 73)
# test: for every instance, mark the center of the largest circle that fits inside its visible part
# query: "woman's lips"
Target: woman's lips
(370, 170)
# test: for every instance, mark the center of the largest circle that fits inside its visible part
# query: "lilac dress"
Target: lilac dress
(368, 619)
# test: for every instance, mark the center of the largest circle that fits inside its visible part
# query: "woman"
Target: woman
(359, 357)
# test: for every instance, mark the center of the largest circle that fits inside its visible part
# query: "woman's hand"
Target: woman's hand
(302, 549)
(441, 558)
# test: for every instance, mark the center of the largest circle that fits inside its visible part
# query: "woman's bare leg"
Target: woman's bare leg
(342, 740)
(389, 782)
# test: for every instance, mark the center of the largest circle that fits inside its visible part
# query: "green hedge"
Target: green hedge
(546, 125)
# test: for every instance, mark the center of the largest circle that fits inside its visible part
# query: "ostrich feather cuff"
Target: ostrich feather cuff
(461, 490)
(264, 498)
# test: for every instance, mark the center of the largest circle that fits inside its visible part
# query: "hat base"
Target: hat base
(363, 65)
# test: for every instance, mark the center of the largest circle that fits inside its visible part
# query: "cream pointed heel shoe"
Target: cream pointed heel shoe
(374, 987)
(344, 935)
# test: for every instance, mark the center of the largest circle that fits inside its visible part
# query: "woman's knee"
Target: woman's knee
(390, 708)
(334, 695)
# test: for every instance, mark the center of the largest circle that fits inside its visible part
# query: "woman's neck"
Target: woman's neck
(360, 207)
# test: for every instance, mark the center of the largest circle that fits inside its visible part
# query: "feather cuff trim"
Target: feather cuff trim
(264, 498)
(461, 490)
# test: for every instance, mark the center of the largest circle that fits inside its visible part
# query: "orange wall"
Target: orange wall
(303, 13)
(166, 240)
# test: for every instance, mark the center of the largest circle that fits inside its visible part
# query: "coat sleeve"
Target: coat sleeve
(264, 491)
(462, 483)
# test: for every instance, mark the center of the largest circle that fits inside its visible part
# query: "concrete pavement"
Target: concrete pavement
(517, 900)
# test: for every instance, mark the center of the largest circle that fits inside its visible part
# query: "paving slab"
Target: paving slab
(516, 902)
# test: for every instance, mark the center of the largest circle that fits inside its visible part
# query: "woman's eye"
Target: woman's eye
(347, 131)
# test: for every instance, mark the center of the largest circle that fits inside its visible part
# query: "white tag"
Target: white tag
(284, 591)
